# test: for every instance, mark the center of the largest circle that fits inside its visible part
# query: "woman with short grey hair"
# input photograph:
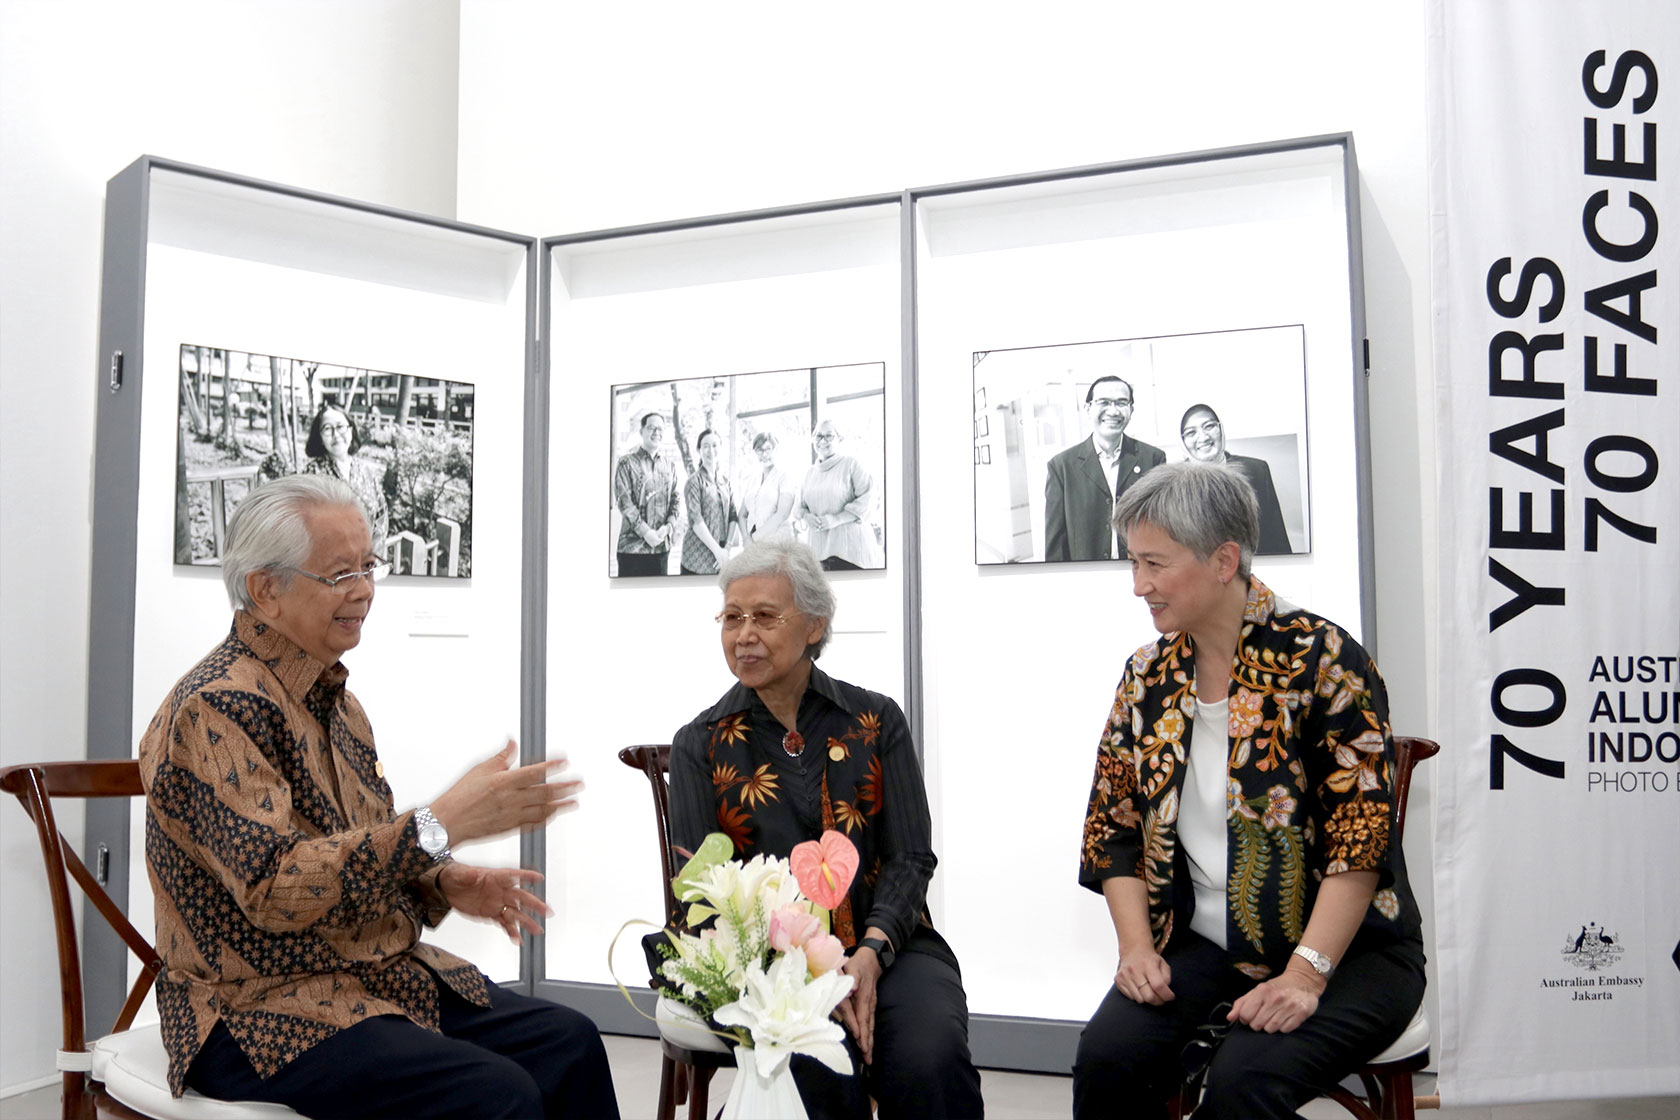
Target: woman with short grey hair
(786, 557)
(1238, 828)
(789, 753)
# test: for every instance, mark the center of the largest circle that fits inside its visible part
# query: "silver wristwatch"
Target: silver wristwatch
(434, 838)
(1322, 964)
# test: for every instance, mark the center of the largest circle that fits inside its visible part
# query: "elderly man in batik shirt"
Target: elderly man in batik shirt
(290, 895)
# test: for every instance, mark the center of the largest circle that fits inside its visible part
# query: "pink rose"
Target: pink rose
(791, 927)
(824, 953)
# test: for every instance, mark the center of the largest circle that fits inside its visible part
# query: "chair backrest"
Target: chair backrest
(654, 761)
(1408, 752)
(35, 785)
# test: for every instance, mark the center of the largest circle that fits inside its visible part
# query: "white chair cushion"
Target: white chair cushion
(135, 1070)
(1413, 1040)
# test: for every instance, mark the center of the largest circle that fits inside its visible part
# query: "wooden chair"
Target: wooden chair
(1387, 1078)
(123, 1074)
(683, 1073)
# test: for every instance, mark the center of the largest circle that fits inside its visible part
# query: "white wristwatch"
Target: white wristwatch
(434, 838)
(1322, 964)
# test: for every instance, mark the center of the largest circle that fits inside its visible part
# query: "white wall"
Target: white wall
(352, 99)
(669, 110)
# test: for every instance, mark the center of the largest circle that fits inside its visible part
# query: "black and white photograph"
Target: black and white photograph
(701, 466)
(403, 443)
(1069, 427)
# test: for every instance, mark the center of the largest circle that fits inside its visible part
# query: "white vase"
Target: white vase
(753, 1097)
(679, 1024)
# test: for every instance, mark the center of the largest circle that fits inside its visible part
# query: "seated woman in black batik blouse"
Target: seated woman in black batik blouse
(790, 752)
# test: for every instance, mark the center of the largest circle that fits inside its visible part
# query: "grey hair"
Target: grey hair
(268, 531)
(784, 556)
(1199, 505)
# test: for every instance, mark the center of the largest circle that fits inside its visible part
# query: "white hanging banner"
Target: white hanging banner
(1557, 364)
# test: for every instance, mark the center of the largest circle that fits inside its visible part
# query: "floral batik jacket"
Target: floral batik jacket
(1310, 776)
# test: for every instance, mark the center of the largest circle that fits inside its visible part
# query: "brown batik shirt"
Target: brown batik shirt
(289, 896)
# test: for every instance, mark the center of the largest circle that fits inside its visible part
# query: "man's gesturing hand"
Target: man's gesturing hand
(491, 799)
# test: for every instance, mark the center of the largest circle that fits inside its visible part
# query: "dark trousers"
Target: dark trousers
(1129, 1064)
(644, 563)
(520, 1058)
(922, 1067)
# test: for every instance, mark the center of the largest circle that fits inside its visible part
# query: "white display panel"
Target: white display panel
(1022, 660)
(438, 670)
(632, 660)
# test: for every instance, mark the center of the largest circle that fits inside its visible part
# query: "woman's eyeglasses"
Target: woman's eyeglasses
(763, 619)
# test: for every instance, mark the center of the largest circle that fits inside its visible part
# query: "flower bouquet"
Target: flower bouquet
(765, 970)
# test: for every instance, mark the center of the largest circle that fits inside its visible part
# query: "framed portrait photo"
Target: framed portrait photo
(404, 444)
(703, 465)
(1071, 426)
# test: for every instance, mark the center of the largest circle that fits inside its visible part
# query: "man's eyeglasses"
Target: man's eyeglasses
(763, 619)
(373, 573)
(824, 437)
(1101, 403)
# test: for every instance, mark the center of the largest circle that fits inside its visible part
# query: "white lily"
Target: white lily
(787, 1013)
(758, 880)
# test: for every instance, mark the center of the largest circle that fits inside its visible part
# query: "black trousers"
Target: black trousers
(1128, 1062)
(520, 1058)
(644, 563)
(922, 1066)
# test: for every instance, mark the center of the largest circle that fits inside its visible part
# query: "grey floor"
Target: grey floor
(1009, 1096)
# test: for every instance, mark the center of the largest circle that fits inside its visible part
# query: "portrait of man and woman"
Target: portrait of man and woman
(1062, 432)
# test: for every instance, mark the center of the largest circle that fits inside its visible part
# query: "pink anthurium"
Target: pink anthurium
(824, 868)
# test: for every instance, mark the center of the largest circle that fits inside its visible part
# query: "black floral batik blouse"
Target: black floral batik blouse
(857, 774)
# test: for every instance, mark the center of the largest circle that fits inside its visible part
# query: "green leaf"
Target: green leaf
(714, 850)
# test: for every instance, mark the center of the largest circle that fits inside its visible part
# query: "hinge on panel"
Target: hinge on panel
(1367, 357)
(116, 371)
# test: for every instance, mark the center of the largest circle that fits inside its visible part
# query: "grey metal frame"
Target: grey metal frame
(1003, 1042)
(1049, 1045)
(110, 710)
(603, 1002)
